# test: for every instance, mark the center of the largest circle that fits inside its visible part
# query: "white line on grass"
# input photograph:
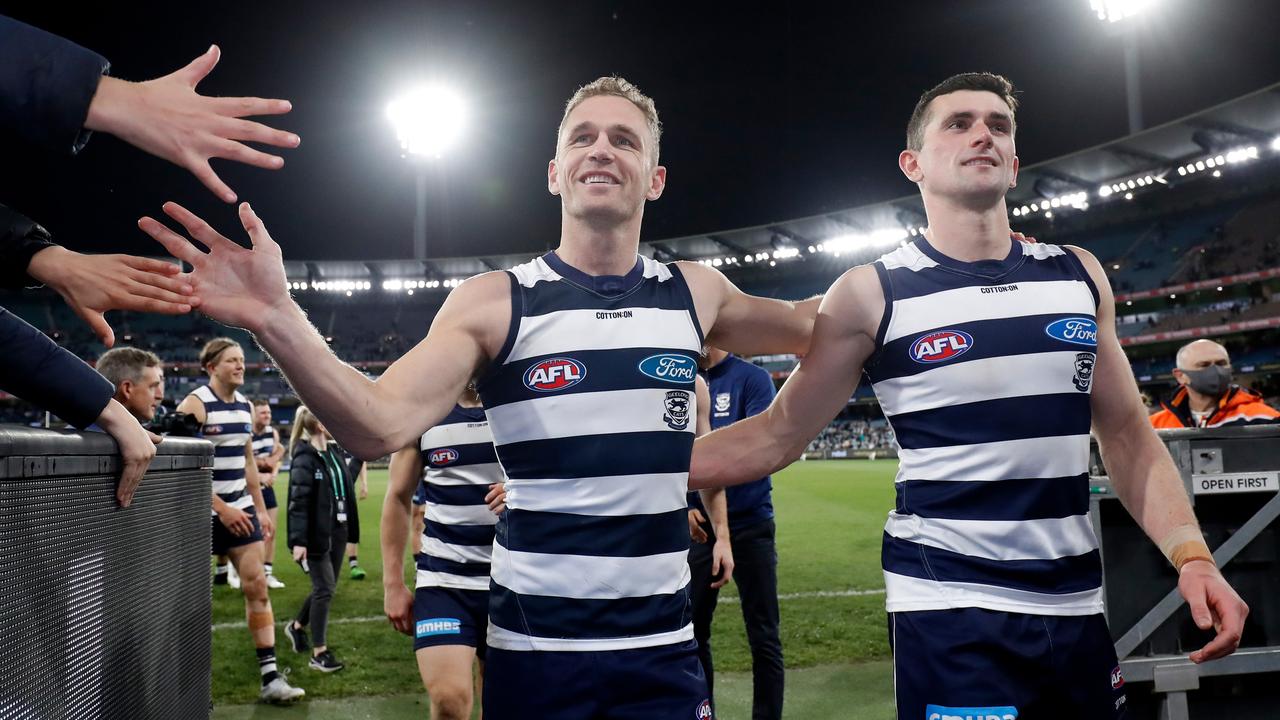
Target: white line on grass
(730, 600)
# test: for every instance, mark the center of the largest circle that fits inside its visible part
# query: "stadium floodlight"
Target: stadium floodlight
(1113, 11)
(1275, 144)
(427, 119)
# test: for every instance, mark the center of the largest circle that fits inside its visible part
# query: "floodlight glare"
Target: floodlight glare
(427, 120)
(1113, 11)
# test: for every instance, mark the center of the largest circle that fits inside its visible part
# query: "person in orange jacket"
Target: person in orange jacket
(1206, 397)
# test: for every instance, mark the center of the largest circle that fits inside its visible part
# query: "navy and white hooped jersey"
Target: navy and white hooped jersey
(264, 444)
(984, 370)
(229, 426)
(459, 465)
(592, 407)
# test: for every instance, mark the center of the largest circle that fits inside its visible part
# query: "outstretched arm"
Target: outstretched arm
(246, 288)
(1148, 484)
(843, 339)
(169, 119)
(747, 324)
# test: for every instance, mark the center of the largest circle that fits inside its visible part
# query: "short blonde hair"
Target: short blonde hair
(617, 87)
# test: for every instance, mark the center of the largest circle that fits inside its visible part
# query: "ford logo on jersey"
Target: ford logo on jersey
(1077, 330)
(941, 345)
(443, 456)
(670, 367)
(554, 374)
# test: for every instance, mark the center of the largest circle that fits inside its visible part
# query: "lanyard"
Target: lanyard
(336, 476)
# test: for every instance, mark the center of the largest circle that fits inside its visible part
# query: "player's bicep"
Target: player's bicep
(423, 385)
(843, 340)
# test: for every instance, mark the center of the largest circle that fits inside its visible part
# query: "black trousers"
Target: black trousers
(755, 572)
(324, 569)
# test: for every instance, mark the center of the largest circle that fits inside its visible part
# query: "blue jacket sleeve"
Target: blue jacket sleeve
(36, 369)
(46, 85)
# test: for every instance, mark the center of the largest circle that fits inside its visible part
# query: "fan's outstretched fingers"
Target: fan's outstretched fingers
(177, 245)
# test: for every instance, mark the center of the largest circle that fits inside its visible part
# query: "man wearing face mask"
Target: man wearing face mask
(1207, 398)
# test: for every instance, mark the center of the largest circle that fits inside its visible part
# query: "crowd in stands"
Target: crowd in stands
(851, 434)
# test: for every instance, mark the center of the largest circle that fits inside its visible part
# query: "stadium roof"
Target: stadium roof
(1076, 182)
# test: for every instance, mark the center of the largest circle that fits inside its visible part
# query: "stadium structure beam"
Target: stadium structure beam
(1064, 177)
(845, 220)
(728, 245)
(795, 239)
(488, 263)
(1140, 155)
(1224, 134)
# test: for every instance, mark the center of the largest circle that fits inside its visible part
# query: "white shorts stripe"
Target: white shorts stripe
(456, 553)
(504, 639)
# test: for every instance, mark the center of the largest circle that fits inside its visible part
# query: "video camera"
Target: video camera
(178, 424)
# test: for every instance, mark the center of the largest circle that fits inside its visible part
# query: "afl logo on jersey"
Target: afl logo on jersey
(554, 375)
(941, 345)
(443, 456)
(703, 711)
(670, 367)
(1076, 330)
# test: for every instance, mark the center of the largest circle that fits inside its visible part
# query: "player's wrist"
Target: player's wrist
(1185, 544)
(109, 106)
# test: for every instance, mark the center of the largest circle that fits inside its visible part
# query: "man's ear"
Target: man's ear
(1013, 182)
(553, 178)
(657, 183)
(909, 164)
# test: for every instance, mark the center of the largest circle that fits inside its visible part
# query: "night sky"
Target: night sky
(768, 114)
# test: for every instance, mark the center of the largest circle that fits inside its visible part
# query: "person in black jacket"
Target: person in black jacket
(319, 507)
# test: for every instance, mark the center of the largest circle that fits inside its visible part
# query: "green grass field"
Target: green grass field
(830, 516)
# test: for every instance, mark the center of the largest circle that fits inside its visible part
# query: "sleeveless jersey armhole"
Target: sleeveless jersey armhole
(886, 287)
(513, 329)
(678, 277)
(1078, 268)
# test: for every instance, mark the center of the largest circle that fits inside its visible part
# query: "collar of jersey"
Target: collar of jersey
(606, 285)
(981, 268)
(471, 413)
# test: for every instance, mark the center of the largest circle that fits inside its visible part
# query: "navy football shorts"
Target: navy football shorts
(971, 663)
(269, 497)
(657, 683)
(223, 540)
(449, 616)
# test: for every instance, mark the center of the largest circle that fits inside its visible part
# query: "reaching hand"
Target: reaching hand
(696, 533)
(299, 553)
(94, 284)
(1214, 606)
(236, 521)
(233, 285)
(169, 119)
(137, 448)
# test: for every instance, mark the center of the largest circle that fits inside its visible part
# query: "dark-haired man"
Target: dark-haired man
(983, 353)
